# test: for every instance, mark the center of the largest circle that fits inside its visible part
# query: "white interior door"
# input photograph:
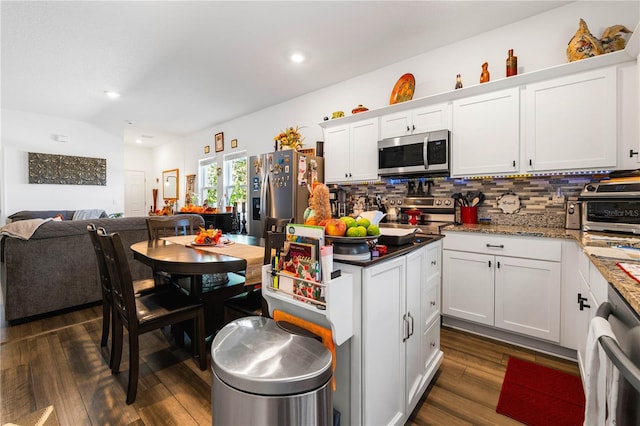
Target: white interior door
(134, 194)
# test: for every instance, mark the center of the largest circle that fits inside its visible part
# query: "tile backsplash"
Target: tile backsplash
(542, 198)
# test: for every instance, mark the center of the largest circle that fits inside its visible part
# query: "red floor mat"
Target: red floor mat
(537, 395)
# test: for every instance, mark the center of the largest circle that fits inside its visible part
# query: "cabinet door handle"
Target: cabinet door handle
(498, 265)
(434, 263)
(433, 303)
(489, 264)
(405, 334)
(530, 162)
(495, 245)
(581, 301)
(514, 163)
(413, 127)
(408, 128)
(632, 153)
(411, 325)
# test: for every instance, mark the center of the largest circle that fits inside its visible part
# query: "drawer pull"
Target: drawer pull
(495, 245)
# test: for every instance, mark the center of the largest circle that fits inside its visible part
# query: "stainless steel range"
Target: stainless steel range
(427, 213)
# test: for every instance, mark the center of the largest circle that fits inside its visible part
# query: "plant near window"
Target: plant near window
(290, 138)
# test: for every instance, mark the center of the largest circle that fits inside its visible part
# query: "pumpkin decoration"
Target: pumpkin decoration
(319, 206)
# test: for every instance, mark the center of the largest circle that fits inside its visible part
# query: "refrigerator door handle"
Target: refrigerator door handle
(263, 191)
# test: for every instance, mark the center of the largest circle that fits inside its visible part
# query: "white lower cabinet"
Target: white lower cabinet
(400, 333)
(508, 282)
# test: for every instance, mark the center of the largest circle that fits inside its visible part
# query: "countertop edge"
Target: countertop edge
(393, 252)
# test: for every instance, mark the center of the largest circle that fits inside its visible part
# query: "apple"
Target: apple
(335, 227)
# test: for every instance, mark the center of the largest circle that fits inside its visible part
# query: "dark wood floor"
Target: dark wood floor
(58, 361)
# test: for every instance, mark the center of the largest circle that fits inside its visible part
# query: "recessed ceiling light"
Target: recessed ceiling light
(297, 58)
(112, 95)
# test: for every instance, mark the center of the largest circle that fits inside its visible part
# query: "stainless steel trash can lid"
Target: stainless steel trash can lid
(254, 355)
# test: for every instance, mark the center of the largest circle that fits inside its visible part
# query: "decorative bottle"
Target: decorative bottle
(458, 82)
(512, 64)
(484, 75)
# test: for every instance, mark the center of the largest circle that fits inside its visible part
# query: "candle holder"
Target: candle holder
(244, 223)
(235, 221)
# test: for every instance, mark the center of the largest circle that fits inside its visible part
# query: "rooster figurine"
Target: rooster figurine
(612, 40)
(585, 45)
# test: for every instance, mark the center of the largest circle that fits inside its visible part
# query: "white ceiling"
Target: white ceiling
(184, 66)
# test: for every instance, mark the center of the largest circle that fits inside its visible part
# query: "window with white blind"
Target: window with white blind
(235, 178)
(209, 175)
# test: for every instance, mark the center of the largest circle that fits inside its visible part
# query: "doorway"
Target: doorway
(134, 193)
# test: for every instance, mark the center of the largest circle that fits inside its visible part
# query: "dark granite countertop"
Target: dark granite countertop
(627, 286)
(395, 251)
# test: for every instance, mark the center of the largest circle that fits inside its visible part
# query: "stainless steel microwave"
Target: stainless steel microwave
(422, 154)
(611, 206)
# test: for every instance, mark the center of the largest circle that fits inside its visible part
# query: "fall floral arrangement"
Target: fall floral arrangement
(290, 138)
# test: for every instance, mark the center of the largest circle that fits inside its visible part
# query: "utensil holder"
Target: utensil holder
(469, 214)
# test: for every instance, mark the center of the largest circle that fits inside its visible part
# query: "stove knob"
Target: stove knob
(447, 202)
(590, 188)
(399, 202)
(392, 202)
(438, 202)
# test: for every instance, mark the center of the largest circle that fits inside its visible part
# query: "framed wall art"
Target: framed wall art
(207, 149)
(234, 143)
(66, 170)
(219, 138)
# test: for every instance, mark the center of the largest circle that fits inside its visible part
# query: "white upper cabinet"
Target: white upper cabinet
(419, 120)
(351, 152)
(486, 134)
(571, 122)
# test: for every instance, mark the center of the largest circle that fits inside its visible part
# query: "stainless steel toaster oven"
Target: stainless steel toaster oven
(611, 206)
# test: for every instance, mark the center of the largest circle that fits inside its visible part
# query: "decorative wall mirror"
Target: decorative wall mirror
(170, 180)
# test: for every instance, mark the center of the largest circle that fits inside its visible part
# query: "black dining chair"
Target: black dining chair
(145, 313)
(252, 302)
(275, 224)
(171, 226)
(139, 287)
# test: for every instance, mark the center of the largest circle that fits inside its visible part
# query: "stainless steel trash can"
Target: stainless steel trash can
(264, 375)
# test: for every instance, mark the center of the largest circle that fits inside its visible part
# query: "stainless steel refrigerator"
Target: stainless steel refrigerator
(279, 184)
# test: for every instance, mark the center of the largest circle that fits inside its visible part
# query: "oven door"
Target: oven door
(611, 214)
(624, 355)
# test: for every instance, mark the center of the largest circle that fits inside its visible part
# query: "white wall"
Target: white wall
(24, 132)
(538, 42)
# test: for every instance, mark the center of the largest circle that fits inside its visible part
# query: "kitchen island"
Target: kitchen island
(395, 351)
(393, 322)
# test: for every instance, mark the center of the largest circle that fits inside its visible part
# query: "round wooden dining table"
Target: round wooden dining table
(190, 261)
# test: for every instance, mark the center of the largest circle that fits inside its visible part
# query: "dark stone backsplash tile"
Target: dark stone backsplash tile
(542, 198)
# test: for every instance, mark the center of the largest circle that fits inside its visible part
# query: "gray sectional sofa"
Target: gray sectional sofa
(56, 268)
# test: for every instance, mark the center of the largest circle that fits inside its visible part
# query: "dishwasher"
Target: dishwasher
(624, 354)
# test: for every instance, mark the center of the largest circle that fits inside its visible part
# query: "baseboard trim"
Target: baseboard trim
(512, 338)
